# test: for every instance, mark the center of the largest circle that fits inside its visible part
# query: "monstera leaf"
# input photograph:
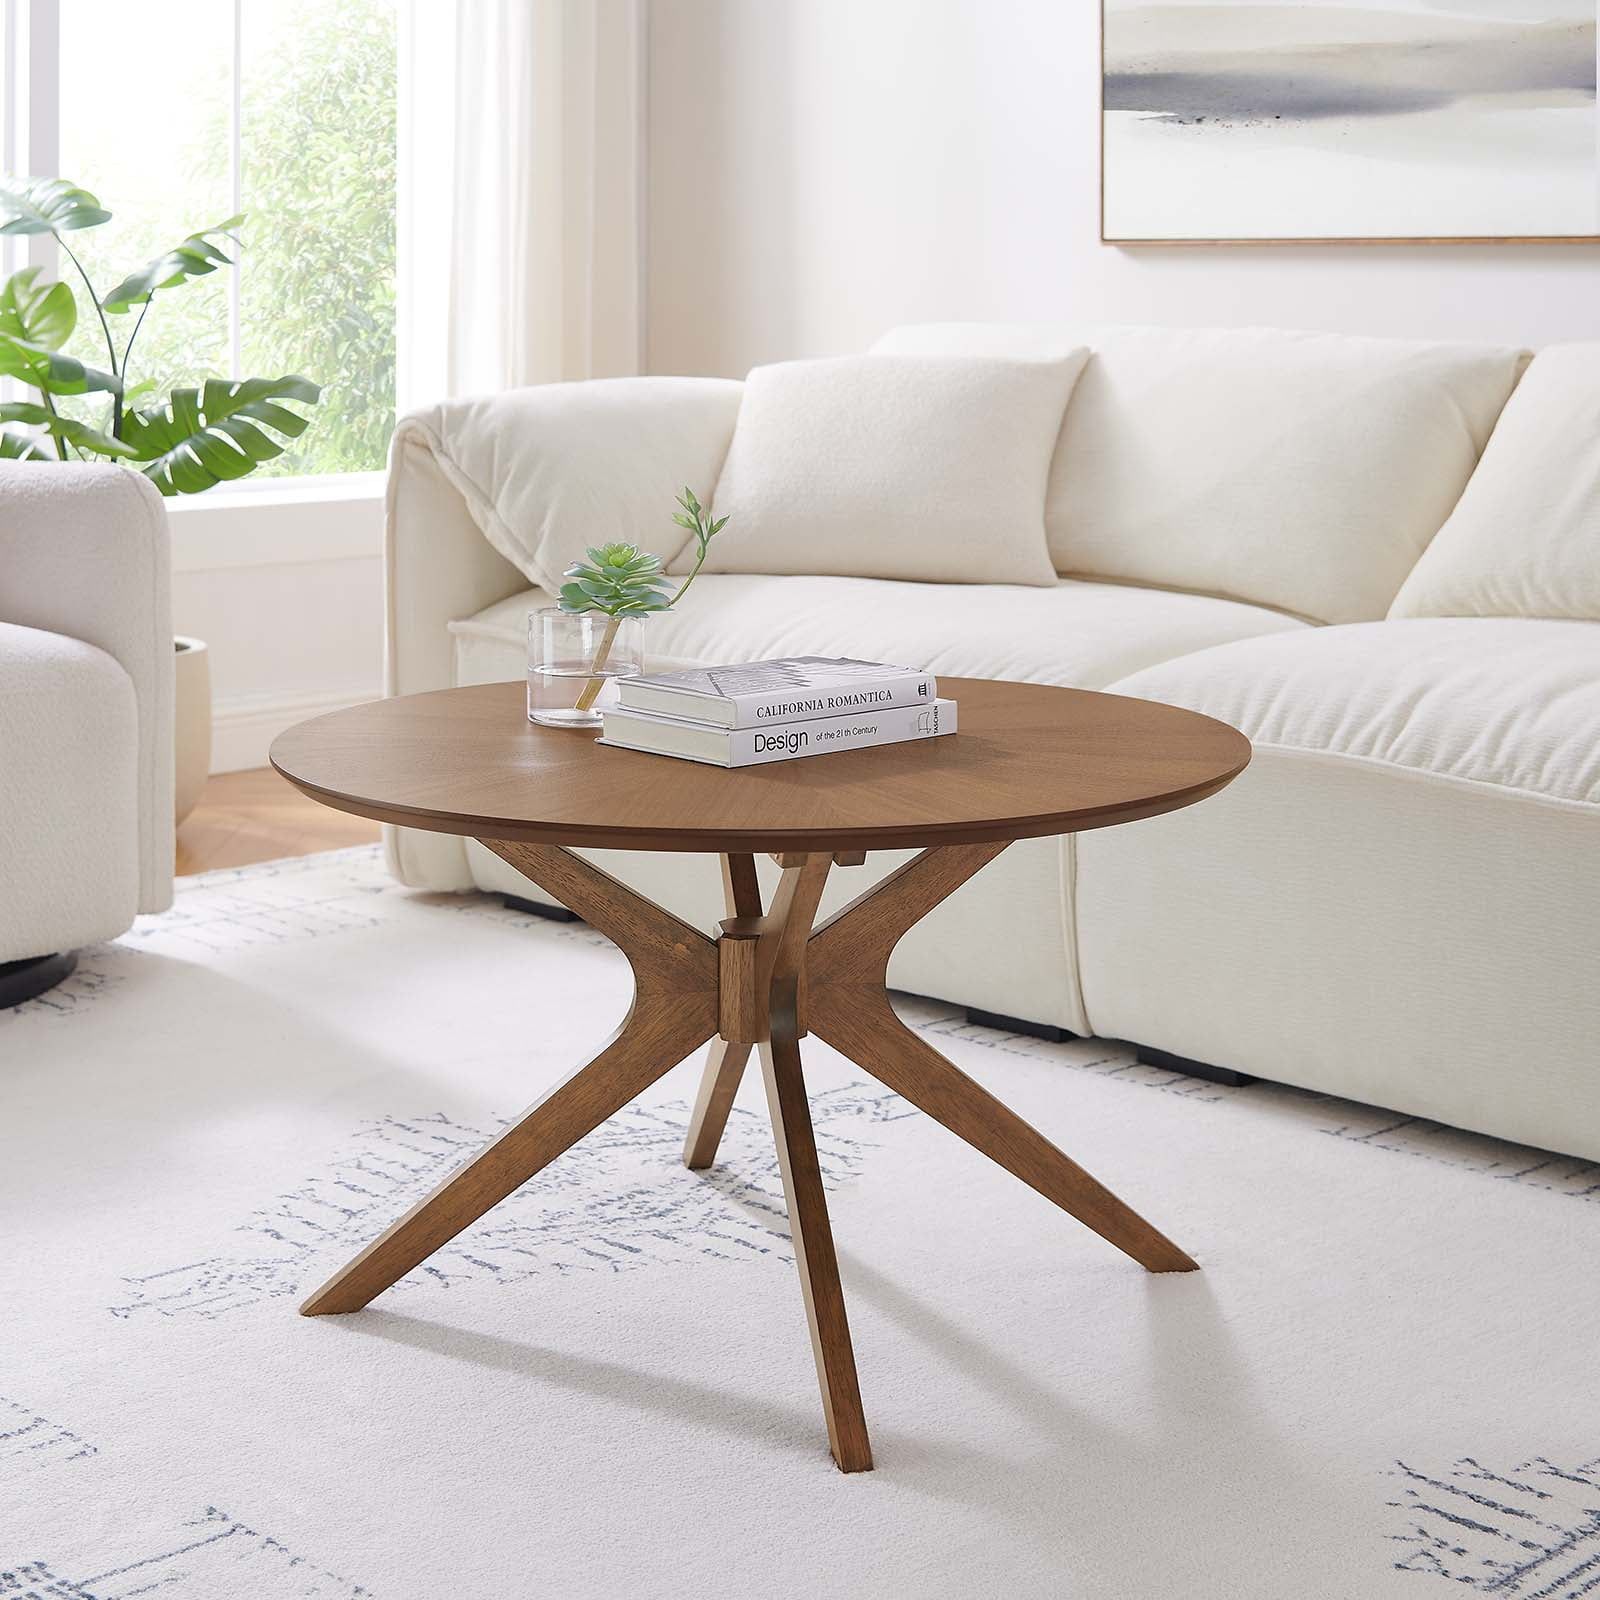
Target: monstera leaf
(78, 434)
(21, 447)
(47, 205)
(195, 257)
(43, 313)
(204, 437)
(43, 368)
(191, 440)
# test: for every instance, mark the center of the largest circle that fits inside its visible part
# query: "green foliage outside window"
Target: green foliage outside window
(318, 176)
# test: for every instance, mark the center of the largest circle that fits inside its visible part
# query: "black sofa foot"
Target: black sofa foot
(534, 909)
(23, 980)
(1034, 1030)
(1148, 1056)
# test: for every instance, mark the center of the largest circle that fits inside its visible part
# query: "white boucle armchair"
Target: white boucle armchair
(86, 693)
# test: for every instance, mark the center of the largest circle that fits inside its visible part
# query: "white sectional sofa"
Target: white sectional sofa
(1381, 560)
(86, 770)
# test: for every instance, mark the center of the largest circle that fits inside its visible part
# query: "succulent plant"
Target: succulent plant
(621, 580)
(624, 581)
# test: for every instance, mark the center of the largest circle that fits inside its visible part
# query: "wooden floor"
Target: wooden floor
(258, 816)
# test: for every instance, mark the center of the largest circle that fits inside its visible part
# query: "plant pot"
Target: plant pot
(192, 722)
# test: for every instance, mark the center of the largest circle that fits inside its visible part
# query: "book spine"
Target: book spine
(783, 706)
(820, 736)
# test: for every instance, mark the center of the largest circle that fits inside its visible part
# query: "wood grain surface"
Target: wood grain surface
(1030, 759)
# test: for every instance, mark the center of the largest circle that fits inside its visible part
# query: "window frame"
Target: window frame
(30, 142)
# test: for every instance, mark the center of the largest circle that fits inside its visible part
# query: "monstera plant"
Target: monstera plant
(184, 440)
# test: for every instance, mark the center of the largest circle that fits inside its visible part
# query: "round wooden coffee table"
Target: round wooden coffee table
(1029, 760)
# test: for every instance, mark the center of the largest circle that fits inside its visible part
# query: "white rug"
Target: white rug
(1383, 1383)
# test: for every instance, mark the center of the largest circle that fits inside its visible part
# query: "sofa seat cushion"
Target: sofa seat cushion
(1306, 471)
(69, 794)
(1084, 635)
(1510, 702)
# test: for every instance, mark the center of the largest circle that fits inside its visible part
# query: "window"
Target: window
(284, 110)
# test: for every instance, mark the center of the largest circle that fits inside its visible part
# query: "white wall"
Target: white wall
(823, 169)
(285, 585)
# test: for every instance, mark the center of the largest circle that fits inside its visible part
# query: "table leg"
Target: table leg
(812, 1236)
(718, 1085)
(741, 894)
(630, 1062)
(780, 961)
(849, 1008)
(873, 1037)
(832, 981)
(674, 1012)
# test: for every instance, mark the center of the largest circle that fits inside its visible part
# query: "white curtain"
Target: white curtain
(521, 191)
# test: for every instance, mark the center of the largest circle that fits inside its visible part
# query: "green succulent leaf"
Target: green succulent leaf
(618, 579)
(199, 438)
(78, 434)
(193, 258)
(42, 313)
(47, 205)
(623, 559)
(624, 581)
(40, 367)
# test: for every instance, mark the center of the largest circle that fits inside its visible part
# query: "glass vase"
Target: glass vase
(574, 660)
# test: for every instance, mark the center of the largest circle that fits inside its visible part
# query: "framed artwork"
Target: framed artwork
(1373, 121)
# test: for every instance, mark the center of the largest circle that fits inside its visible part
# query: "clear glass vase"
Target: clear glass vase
(574, 658)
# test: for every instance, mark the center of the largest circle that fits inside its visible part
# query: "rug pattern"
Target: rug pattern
(1528, 1532)
(620, 1199)
(209, 1554)
(621, 1202)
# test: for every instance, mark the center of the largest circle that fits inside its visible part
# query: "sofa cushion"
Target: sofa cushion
(1509, 702)
(917, 467)
(548, 471)
(1306, 471)
(1525, 539)
(1079, 634)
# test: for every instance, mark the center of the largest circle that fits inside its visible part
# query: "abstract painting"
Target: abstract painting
(1267, 120)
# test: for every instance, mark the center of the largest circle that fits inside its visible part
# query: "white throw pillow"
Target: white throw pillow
(1303, 471)
(1525, 539)
(548, 471)
(886, 467)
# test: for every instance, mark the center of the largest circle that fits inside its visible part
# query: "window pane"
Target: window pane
(145, 120)
(318, 184)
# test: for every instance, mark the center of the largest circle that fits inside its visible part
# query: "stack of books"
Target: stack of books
(758, 711)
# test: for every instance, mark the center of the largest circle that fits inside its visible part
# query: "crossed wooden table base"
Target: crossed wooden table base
(766, 981)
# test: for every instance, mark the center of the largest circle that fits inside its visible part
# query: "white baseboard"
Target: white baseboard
(242, 728)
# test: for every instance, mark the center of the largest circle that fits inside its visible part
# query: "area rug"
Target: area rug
(1383, 1383)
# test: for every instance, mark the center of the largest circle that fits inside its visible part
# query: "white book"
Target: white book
(749, 747)
(750, 694)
